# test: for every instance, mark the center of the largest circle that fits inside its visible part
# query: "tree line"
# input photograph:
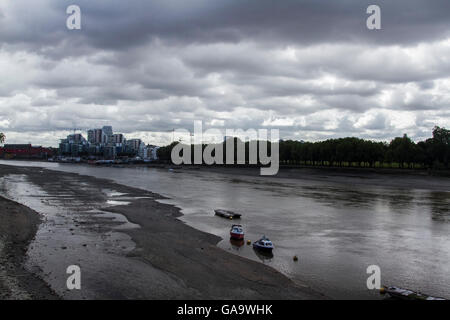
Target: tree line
(401, 152)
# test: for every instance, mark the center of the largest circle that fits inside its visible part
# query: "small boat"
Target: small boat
(263, 244)
(237, 232)
(227, 214)
(406, 294)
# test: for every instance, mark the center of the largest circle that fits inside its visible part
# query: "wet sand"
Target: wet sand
(18, 226)
(168, 260)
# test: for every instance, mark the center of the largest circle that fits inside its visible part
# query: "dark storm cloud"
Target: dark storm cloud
(117, 24)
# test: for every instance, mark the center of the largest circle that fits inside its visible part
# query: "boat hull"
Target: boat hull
(236, 236)
(262, 249)
(227, 214)
(405, 294)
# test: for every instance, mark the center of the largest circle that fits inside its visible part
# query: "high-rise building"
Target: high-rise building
(150, 152)
(109, 151)
(90, 134)
(107, 130)
(117, 138)
(76, 138)
(134, 144)
(97, 136)
(74, 144)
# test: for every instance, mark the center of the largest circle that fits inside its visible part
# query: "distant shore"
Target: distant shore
(285, 171)
(183, 253)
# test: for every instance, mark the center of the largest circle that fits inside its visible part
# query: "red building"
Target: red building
(24, 151)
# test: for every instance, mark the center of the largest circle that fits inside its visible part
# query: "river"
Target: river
(336, 229)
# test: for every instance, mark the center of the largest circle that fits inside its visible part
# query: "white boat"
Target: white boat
(237, 232)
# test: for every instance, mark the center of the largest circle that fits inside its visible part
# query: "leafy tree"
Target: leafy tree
(439, 147)
(433, 152)
(402, 150)
(2, 137)
(441, 135)
(164, 153)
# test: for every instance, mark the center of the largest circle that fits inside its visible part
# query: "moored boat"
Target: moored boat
(263, 244)
(237, 232)
(227, 214)
(406, 294)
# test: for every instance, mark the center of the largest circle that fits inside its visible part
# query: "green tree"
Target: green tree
(441, 135)
(2, 137)
(439, 147)
(164, 153)
(402, 150)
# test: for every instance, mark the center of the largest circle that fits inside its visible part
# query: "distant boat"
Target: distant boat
(227, 214)
(263, 245)
(104, 162)
(237, 232)
(406, 294)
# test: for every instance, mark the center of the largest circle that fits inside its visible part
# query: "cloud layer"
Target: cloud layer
(310, 68)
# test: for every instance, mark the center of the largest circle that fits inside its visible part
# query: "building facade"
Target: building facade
(25, 151)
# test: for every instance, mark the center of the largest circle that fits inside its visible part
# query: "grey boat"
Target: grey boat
(227, 214)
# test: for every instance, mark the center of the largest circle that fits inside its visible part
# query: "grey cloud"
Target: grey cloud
(119, 25)
(154, 65)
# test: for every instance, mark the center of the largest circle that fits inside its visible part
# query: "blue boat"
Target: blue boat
(263, 244)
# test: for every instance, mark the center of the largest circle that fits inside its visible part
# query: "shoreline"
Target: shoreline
(424, 172)
(390, 178)
(18, 227)
(187, 255)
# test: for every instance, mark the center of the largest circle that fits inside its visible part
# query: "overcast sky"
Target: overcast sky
(309, 68)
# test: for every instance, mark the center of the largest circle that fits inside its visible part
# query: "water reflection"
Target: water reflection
(263, 256)
(440, 206)
(236, 244)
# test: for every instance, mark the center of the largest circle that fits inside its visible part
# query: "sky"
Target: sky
(311, 68)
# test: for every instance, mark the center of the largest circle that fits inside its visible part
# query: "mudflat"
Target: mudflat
(18, 225)
(185, 263)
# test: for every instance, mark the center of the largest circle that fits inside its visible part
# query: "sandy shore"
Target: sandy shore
(182, 262)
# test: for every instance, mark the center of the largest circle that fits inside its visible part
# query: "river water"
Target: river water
(337, 230)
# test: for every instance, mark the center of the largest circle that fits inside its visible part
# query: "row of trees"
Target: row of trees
(401, 152)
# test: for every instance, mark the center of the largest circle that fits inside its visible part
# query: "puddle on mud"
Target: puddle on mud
(111, 193)
(117, 203)
(75, 232)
